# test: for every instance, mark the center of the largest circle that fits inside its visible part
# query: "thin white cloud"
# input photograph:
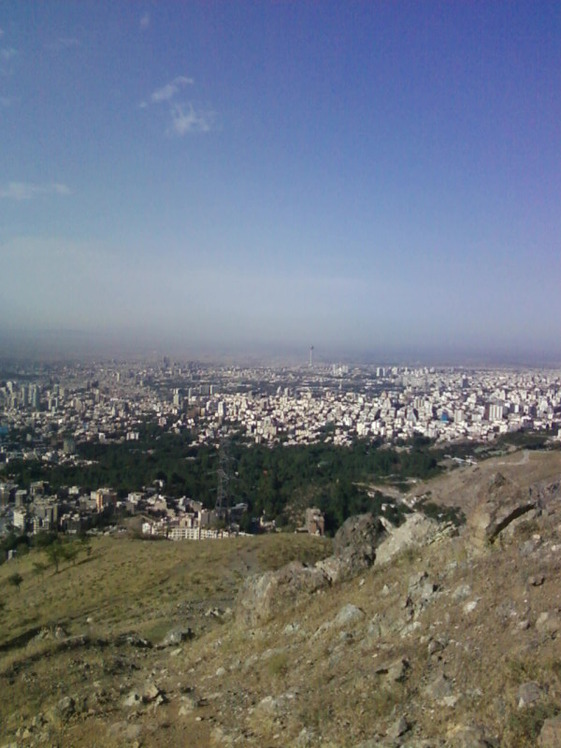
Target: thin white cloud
(63, 42)
(7, 53)
(167, 92)
(28, 190)
(145, 21)
(186, 119)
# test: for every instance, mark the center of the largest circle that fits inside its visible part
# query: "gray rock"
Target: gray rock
(356, 541)
(399, 728)
(186, 708)
(335, 569)
(437, 645)
(395, 671)
(468, 736)
(306, 738)
(262, 597)
(550, 735)
(420, 588)
(500, 504)
(132, 699)
(64, 708)
(133, 640)
(177, 636)
(152, 694)
(278, 705)
(528, 693)
(415, 532)
(398, 669)
(354, 548)
(441, 690)
(548, 622)
(291, 628)
(348, 614)
(461, 592)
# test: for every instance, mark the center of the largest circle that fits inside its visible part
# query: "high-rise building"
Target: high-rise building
(34, 396)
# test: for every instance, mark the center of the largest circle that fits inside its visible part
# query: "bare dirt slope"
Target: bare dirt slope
(463, 486)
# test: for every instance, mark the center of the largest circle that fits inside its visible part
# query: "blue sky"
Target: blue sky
(369, 177)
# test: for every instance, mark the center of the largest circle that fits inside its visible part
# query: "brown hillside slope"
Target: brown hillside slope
(453, 644)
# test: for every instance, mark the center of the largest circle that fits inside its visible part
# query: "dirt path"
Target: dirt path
(523, 461)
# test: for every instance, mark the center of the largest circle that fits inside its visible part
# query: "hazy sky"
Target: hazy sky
(363, 176)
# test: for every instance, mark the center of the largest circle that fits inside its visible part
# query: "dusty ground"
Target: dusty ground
(462, 486)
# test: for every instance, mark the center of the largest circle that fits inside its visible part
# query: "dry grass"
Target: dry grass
(124, 585)
(126, 581)
(265, 685)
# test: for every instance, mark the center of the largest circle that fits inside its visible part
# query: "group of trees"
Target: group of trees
(57, 548)
(273, 481)
(60, 548)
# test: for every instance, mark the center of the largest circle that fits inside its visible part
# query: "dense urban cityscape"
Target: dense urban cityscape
(48, 411)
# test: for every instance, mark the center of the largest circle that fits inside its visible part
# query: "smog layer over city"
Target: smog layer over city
(280, 374)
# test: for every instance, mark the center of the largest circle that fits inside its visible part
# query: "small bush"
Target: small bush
(15, 580)
(524, 725)
(278, 664)
(451, 514)
(520, 670)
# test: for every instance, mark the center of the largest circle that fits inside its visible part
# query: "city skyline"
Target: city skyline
(371, 179)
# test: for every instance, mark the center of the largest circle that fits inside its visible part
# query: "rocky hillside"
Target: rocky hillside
(417, 636)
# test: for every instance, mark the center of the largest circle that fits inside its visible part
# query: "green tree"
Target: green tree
(86, 544)
(70, 552)
(55, 554)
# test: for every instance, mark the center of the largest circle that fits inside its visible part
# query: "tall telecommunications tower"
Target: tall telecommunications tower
(311, 356)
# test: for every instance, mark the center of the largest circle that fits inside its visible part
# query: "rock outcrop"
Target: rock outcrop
(415, 532)
(359, 542)
(501, 504)
(263, 597)
(355, 545)
(357, 539)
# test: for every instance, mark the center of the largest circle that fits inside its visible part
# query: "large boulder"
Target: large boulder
(500, 504)
(264, 596)
(357, 539)
(354, 547)
(417, 531)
